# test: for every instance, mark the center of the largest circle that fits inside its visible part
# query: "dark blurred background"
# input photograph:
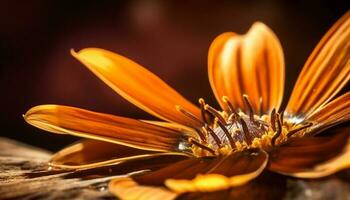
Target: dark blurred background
(170, 38)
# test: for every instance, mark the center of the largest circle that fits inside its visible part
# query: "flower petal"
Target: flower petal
(265, 187)
(325, 72)
(312, 157)
(250, 64)
(93, 153)
(139, 165)
(137, 85)
(218, 173)
(231, 171)
(335, 112)
(177, 127)
(104, 127)
(127, 188)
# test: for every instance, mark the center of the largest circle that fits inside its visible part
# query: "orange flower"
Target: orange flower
(201, 149)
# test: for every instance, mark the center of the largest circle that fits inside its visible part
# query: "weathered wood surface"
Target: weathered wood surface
(25, 175)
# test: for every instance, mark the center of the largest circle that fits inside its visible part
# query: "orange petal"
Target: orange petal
(326, 71)
(137, 85)
(312, 157)
(177, 127)
(145, 186)
(250, 64)
(127, 188)
(265, 187)
(104, 127)
(92, 153)
(130, 166)
(208, 174)
(335, 112)
(235, 170)
(183, 169)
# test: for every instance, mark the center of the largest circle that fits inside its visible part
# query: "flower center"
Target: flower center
(231, 130)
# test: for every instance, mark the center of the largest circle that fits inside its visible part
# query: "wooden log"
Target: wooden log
(24, 174)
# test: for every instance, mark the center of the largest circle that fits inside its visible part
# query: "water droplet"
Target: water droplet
(103, 188)
(99, 186)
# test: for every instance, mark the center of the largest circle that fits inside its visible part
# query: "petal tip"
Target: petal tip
(29, 112)
(86, 52)
(38, 109)
(73, 52)
(260, 26)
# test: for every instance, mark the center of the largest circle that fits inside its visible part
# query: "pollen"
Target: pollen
(231, 130)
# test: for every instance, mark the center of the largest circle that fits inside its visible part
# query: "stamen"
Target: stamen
(281, 116)
(215, 113)
(292, 132)
(201, 135)
(229, 105)
(247, 135)
(231, 118)
(227, 133)
(279, 130)
(202, 146)
(273, 119)
(212, 133)
(260, 106)
(189, 115)
(203, 113)
(250, 108)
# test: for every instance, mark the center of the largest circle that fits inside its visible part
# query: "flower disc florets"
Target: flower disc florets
(228, 131)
